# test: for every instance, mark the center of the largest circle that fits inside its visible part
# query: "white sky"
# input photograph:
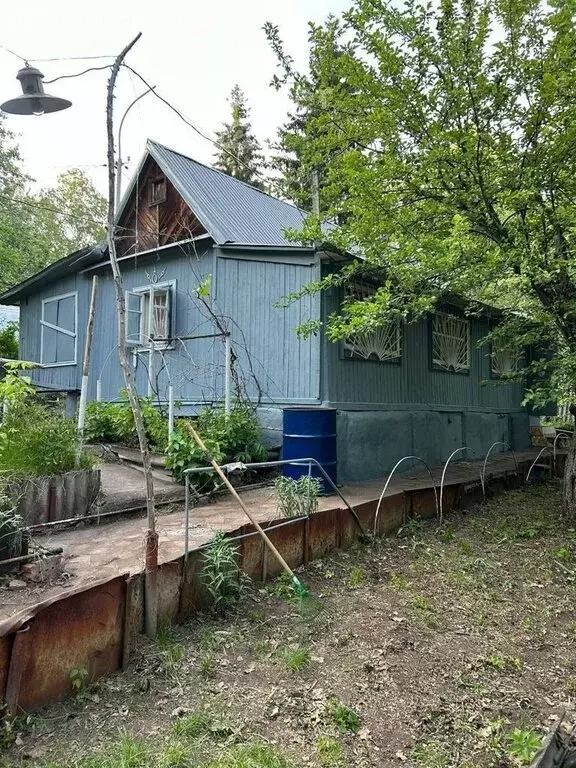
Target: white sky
(194, 52)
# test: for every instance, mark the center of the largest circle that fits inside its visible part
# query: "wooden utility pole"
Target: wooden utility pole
(150, 591)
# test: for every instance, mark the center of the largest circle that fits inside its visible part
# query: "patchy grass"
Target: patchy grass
(446, 647)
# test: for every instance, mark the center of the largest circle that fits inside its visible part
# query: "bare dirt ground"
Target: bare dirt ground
(437, 648)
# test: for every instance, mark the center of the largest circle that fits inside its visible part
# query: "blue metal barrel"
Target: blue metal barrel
(310, 433)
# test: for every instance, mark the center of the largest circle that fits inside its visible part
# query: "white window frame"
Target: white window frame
(385, 341)
(66, 332)
(437, 362)
(142, 292)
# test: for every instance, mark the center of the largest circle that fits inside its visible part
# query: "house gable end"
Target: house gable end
(155, 213)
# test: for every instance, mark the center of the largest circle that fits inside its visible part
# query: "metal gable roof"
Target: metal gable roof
(230, 210)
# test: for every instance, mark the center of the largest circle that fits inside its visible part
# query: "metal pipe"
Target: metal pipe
(417, 458)
(464, 448)
(498, 442)
(546, 448)
(559, 433)
(170, 411)
(278, 463)
(228, 376)
(98, 390)
(186, 514)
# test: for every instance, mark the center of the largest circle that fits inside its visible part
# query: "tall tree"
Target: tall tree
(38, 228)
(240, 153)
(451, 149)
(292, 163)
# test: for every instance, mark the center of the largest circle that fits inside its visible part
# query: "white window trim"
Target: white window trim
(438, 364)
(45, 324)
(137, 345)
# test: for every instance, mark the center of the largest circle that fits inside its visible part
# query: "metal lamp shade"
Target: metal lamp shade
(34, 100)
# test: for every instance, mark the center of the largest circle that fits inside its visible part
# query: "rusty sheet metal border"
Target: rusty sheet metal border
(83, 630)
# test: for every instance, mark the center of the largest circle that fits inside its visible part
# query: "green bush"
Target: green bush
(35, 441)
(114, 423)
(9, 340)
(232, 438)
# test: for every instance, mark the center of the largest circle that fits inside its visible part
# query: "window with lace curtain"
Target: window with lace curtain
(450, 343)
(384, 344)
(149, 315)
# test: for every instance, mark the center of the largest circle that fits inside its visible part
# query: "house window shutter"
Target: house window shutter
(58, 333)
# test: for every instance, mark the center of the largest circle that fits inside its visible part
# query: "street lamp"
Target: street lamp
(34, 101)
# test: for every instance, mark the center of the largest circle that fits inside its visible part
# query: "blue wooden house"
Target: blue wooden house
(203, 253)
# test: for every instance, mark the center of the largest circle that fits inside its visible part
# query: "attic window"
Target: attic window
(157, 190)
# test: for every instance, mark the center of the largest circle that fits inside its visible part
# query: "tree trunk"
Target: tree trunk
(570, 479)
(151, 548)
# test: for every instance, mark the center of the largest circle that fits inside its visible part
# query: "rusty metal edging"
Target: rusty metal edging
(18, 659)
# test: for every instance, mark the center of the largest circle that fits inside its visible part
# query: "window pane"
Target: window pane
(160, 315)
(49, 345)
(133, 326)
(64, 348)
(67, 314)
(134, 303)
(50, 312)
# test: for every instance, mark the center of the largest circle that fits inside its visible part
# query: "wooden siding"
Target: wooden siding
(243, 294)
(412, 382)
(146, 225)
(287, 368)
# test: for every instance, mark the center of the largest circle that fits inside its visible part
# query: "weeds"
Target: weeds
(294, 658)
(357, 578)
(172, 652)
(79, 679)
(251, 755)
(297, 498)
(220, 574)
(345, 719)
(175, 755)
(284, 588)
(329, 752)
(397, 580)
(125, 752)
(192, 726)
(432, 754)
(502, 663)
(523, 745)
(207, 666)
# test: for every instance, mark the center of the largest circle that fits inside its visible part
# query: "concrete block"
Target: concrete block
(371, 442)
(271, 422)
(481, 430)
(436, 435)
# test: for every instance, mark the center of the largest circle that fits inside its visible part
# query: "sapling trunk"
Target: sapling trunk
(570, 479)
(151, 605)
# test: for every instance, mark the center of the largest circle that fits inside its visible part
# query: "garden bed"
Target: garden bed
(435, 648)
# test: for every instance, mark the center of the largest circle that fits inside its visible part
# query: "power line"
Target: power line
(77, 74)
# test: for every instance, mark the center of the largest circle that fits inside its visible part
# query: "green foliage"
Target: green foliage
(344, 718)
(430, 754)
(172, 651)
(251, 755)
(36, 229)
(114, 423)
(207, 665)
(284, 588)
(446, 153)
(175, 755)
(239, 154)
(192, 725)
(357, 578)
(297, 498)
(294, 658)
(523, 745)
(79, 679)
(125, 752)
(232, 438)
(328, 752)
(9, 340)
(220, 573)
(34, 440)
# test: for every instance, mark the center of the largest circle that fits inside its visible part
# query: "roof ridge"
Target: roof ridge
(228, 175)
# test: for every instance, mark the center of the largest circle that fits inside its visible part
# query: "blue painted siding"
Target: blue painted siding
(243, 293)
(412, 383)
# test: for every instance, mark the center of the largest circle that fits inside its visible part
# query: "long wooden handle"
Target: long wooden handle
(232, 490)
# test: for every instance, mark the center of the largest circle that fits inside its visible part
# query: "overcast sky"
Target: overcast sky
(193, 51)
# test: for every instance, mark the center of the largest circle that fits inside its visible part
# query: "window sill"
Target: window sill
(57, 365)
